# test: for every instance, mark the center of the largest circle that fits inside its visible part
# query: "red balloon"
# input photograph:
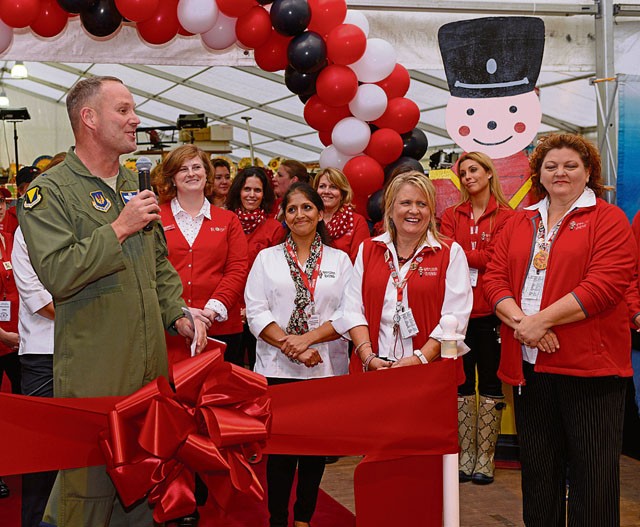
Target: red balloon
(346, 44)
(51, 20)
(162, 26)
(321, 116)
(326, 14)
(19, 13)
(254, 27)
(137, 10)
(183, 32)
(325, 137)
(336, 85)
(272, 55)
(235, 8)
(385, 146)
(364, 174)
(397, 83)
(401, 115)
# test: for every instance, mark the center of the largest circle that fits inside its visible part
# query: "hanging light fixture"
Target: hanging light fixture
(19, 70)
(4, 100)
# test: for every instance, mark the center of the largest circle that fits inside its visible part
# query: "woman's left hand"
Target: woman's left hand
(406, 361)
(529, 330)
(294, 345)
(310, 358)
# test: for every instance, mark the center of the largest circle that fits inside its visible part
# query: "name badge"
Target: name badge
(313, 322)
(473, 275)
(533, 287)
(5, 310)
(408, 326)
(7, 266)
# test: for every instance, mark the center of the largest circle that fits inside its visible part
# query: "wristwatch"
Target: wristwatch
(421, 356)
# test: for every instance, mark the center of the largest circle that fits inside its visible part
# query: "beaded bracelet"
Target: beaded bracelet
(360, 345)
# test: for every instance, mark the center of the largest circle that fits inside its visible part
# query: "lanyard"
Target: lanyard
(541, 240)
(309, 284)
(395, 277)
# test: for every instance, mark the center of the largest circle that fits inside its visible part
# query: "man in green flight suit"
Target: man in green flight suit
(114, 289)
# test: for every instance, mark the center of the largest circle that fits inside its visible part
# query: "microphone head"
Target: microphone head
(144, 164)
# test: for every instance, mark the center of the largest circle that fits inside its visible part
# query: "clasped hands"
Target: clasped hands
(529, 330)
(297, 347)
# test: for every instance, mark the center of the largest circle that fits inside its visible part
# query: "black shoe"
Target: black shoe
(329, 460)
(186, 521)
(462, 477)
(4, 489)
(481, 479)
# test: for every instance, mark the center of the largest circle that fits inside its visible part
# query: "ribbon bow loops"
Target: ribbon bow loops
(158, 439)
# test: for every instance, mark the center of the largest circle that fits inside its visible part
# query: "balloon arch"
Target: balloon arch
(351, 85)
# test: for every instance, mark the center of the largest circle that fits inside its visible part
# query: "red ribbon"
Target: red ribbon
(217, 417)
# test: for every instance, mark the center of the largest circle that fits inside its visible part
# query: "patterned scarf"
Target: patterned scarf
(299, 322)
(341, 222)
(250, 220)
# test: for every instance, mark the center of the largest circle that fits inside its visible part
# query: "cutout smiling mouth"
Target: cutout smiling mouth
(493, 144)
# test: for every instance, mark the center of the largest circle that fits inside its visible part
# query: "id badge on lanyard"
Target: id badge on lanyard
(5, 310)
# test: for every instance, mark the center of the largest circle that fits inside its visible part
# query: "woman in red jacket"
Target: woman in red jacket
(9, 339)
(251, 198)
(208, 249)
(475, 223)
(557, 281)
(347, 229)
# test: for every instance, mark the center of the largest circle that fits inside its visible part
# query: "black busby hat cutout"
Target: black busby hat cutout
(493, 56)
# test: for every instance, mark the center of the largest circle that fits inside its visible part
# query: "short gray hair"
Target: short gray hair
(81, 93)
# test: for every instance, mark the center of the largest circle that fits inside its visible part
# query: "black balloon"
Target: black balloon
(300, 83)
(375, 206)
(76, 6)
(265, 2)
(290, 17)
(415, 144)
(407, 163)
(304, 97)
(307, 52)
(101, 19)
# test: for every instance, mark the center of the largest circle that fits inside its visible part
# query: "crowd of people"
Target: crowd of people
(284, 271)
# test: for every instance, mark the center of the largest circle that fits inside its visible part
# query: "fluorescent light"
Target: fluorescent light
(19, 70)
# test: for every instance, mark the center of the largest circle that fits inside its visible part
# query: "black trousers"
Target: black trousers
(281, 470)
(10, 364)
(575, 423)
(483, 337)
(37, 381)
(234, 352)
(249, 344)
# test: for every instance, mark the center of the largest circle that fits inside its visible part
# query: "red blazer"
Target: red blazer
(593, 257)
(8, 290)
(633, 292)
(425, 293)
(267, 234)
(350, 241)
(214, 267)
(10, 223)
(456, 224)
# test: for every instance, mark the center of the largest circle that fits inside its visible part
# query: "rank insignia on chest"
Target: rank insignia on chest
(32, 197)
(99, 201)
(126, 195)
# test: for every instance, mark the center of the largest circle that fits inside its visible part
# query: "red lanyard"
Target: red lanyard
(309, 284)
(395, 277)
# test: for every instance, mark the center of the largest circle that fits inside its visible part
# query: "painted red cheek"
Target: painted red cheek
(520, 127)
(464, 131)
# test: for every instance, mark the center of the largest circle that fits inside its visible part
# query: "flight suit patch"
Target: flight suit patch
(99, 201)
(32, 197)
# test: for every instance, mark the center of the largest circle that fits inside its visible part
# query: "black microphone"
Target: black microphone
(144, 165)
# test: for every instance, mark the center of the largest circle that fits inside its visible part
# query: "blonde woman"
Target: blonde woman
(404, 281)
(475, 223)
(347, 229)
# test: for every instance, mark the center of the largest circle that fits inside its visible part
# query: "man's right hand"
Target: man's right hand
(139, 211)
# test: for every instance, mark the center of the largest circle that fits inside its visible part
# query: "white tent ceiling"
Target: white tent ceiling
(187, 78)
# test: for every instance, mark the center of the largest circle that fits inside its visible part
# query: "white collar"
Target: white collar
(205, 210)
(385, 238)
(586, 199)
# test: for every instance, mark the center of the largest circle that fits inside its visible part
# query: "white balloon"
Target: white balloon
(222, 34)
(369, 103)
(197, 16)
(331, 157)
(357, 19)
(6, 36)
(351, 136)
(377, 63)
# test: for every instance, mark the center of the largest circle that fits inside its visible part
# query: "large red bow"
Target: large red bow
(217, 418)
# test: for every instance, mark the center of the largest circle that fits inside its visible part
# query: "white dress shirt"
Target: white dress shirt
(458, 299)
(269, 297)
(36, 331)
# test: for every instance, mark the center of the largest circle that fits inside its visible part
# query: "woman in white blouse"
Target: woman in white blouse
(294, 295)
(404, 281)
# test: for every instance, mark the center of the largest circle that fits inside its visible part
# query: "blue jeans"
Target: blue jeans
(635, 362)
